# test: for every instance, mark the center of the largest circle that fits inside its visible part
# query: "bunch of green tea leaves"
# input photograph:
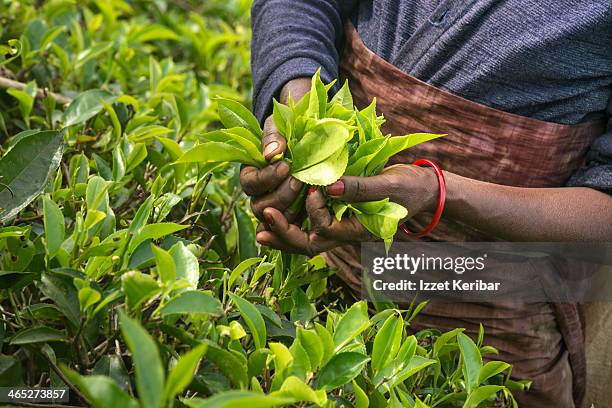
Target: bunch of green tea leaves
(326, 139)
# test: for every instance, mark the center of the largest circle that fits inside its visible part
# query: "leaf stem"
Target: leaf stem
(63, 377)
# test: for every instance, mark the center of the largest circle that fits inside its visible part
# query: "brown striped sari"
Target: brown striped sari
(544, 342)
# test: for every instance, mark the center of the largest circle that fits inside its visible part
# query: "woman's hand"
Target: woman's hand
(415, 188)
(272, 186)
(563, 214)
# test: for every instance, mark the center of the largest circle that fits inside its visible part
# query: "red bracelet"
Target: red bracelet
(441, 199)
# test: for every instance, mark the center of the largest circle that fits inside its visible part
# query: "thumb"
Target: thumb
(273, 142)
(357, 189)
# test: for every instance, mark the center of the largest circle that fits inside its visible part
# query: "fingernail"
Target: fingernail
(312, 189)
(261, 239)
(270, 148)
(269, 219)
(336, 189)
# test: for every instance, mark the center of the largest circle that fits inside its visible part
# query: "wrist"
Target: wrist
(432, 189)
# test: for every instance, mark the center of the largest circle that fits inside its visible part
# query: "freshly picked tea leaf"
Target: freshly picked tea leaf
(326, 139)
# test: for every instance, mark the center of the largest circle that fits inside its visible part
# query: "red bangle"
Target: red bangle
(441, 199)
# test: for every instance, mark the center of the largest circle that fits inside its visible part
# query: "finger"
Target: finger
(257, 182)
(270, 239)
(291, 234)
(347, 230)
(281, 199)
(356, 189)
(316, 207)
(273, 142)
(293, 218)
(325, 224)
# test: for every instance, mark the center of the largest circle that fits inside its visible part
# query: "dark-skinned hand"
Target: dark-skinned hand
(272, 186)
(413, 187)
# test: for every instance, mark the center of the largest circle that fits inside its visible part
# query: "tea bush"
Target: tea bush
(136, 280)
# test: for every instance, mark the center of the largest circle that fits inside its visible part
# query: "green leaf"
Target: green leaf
(253, 319)
(317, 98)
(343, 97)
(395, 145)
(443, 340)
(283, 119)
(363, 155)
(387, 342)
(119, 163)
(231, 365)
(142, 215)
(101, 391)
(10, 52)
(403, 371)
(301, 361)
(138, 288)
(327, 341)
(341, 369)
(155, 231)
(302, 310)
(86, 105)
(10, 370)
(154, 32)
(309, 339)
(26, 99)
(88, 297)
(239, 399)
(96, 195)
(351, 324)
(216, 152)
(257, 362)
(361, 398)
(481, 394)
(193, 302)
(166, 269)
(407, 349)
(63, 293)
(326, 172)
(55, 229)
(246, 234)
(240, 138)
(384, 223)
(145, 357)
(324, 140)
(113, 366)
(11, 279)
(282, 356)
(233, 114)
(240, 269)
(26, 169)
(182, 373)
(40, 334)
(471, 361)
(136, 156)
(187, 266)
(174, 149)
(491, 369)
(298, 390)
(146, 133)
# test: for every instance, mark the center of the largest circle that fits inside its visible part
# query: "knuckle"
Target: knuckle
(360, 188)
(285, 196)
(394, 182)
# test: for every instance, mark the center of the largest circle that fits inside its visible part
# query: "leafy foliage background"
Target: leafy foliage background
(136, 281)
